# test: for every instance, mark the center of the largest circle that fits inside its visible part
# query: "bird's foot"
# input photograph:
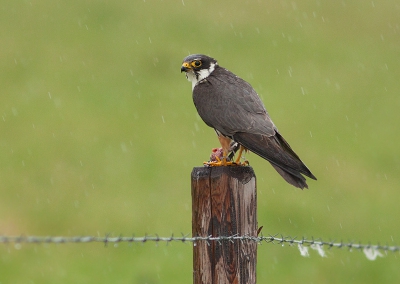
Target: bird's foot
(245, 163)
(217, 159)
(219, 163)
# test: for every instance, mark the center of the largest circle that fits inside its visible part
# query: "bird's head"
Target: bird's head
(198, 67)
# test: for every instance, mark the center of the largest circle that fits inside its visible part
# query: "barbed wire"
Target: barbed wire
(372, 251)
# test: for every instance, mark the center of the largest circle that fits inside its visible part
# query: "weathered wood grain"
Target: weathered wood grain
(224, 203)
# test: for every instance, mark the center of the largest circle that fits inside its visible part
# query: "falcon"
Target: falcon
(232, 107)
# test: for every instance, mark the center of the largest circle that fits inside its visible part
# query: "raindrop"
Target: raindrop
(57, 102)
(14, 111)
(123, 147)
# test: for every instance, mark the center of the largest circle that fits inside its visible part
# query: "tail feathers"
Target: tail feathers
(295, 180)
(278, 152)
(286, 147)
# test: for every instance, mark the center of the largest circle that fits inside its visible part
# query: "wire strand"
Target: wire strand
(274, 239)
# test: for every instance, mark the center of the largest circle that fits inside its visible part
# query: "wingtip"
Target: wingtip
(312, 176)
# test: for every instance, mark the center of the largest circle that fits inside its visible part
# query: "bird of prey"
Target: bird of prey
(232, 107)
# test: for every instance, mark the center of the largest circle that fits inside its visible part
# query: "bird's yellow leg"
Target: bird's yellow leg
(239, 154)
(237, 161)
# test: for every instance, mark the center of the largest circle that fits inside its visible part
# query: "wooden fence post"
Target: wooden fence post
(224, 203)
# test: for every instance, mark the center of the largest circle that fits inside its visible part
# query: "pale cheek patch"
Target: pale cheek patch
(191, 78)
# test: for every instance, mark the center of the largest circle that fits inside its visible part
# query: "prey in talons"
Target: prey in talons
(217, 157)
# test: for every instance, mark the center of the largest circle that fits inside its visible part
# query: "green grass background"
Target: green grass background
(98, 132)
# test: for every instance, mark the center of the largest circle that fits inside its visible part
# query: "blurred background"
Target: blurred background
(99, 135)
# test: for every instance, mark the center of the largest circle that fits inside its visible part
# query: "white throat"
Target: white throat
(201, 75)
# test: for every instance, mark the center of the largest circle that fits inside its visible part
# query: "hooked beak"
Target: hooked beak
(185, 67)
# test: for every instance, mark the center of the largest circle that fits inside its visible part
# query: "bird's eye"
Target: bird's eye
(196, 63)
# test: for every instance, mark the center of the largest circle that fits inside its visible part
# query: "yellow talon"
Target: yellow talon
(220, 163)
(216, 161)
